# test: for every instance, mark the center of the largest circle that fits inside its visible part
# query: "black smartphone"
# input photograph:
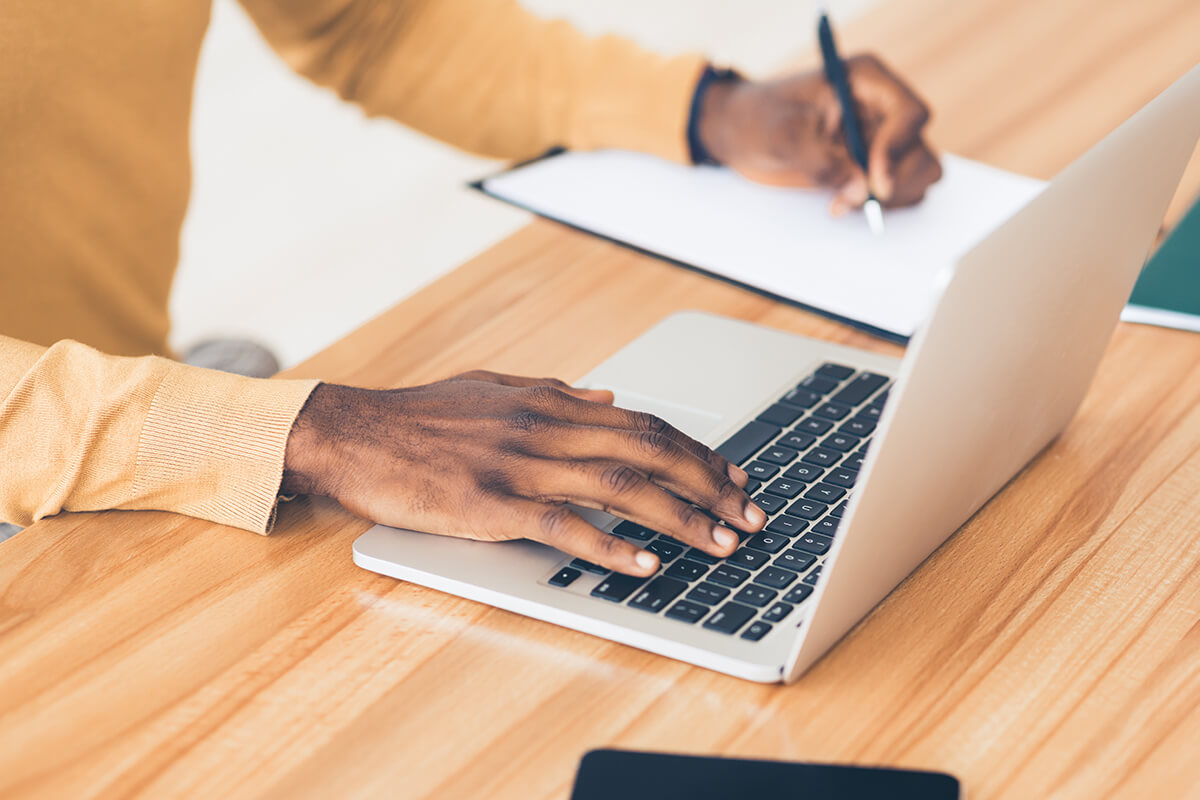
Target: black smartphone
(628, 775)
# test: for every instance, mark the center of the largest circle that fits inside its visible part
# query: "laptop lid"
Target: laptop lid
(1004, 360)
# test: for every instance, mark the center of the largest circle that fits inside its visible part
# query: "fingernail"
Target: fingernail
(755, 515)
(724, 537)
(738, 475)
(647, 560)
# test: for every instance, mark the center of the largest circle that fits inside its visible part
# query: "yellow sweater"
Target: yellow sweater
(94, 179)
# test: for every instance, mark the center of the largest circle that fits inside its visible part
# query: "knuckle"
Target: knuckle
(609, 546)
(653, 443)
(688, 515)
(867, 61)
(545, 396)
(555, 521)
(531, 421)
(918, 113)
(651, 423)
(620, 479)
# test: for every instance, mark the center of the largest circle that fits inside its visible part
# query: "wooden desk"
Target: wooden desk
(1050, 649)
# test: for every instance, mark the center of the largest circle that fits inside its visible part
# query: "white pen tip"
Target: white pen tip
(874, 213)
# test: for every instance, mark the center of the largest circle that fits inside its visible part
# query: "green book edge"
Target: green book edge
(1168, 290)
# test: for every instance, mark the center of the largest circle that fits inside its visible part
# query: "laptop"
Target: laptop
(865, 464)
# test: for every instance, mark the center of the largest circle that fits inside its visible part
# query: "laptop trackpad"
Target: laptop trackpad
(695, 422)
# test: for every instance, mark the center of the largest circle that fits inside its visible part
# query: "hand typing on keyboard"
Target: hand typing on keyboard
(496, 457)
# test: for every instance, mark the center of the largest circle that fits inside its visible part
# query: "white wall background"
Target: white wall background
(307, 219)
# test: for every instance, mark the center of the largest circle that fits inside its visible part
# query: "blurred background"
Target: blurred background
(307, 219)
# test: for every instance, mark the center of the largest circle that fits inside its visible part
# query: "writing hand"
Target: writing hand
(788, 132)
(495, 457)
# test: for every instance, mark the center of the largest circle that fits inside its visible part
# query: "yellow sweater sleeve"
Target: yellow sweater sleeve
(486, 75)
(83, 431)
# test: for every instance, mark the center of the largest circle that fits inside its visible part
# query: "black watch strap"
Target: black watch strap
(708, 77)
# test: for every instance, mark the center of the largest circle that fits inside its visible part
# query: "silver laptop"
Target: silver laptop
(865, 464)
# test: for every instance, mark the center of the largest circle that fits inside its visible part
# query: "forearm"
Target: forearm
(83, 431)
(486, 75)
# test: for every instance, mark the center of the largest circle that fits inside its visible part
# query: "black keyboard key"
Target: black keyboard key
(748, 441)
(686, 611)
(796, 440)
(728, 575)
(708, 593)
(814, 426)
(853, 462)
(769, 503)
(797, 560)
(701, 556)
(842, 442)
(729, 618)
(856, 391)
(564, 577)
(588, 566)
(858, 427)
(825, 493)
(812, 577)
(833, 411)
(778, 455)
(780, 414)
(813, 543)
(632, 531)
(760, 470)
(782, 487)
(752, 485)
(685, 570)
(822, 457)
(842, 476)
(787, 526)
(756, 631)
(667, 551)
(768, 542)
(617, 587)
(880, 399)
(827, 526)
(803, 472)
(775, 578)
(870, 414)
(818, 384)
(798, 594)
(753, 595)
(839, 509)
(657, 594)
(836, 371)
(801, 398)
(749, 559)
(776, 613)
(807, 509)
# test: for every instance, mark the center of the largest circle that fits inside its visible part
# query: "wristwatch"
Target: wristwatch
(711, 75)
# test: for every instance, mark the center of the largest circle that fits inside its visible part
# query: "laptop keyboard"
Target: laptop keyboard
(803, 454)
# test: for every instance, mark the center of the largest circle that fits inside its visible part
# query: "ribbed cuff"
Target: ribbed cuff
(212, 445)
(635, 100)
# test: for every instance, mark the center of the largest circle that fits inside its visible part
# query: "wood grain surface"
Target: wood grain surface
(1051, 649)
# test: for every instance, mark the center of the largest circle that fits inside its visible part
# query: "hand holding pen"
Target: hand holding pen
(789, 132)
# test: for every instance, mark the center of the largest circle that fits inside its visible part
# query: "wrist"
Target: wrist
(708, 133)
(308, 451)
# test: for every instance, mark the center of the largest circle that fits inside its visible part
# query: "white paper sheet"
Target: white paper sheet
(782, 241)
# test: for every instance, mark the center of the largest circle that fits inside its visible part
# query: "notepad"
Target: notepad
(779, 241)
(1168, 290)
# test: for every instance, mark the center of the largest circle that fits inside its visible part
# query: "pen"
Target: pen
(835, 73)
